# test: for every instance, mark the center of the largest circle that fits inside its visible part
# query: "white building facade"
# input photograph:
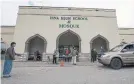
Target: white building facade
(47, 28)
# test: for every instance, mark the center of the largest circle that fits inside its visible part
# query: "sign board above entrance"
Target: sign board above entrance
(68, 19)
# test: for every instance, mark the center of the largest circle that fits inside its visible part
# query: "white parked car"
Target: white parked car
(119, 56)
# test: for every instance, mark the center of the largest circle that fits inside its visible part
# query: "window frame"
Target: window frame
(130, 50)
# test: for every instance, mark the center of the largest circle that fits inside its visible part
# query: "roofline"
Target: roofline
(68, 8)
(15, 25)
(7, 26)
(125, 28)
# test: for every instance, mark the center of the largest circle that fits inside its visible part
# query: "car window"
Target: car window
(117, 48)
(129, 47)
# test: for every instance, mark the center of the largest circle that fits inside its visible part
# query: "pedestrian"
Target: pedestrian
(9, 57)
(102, 51)
(92, 55)
(38, 55)
(95, 55)
(74, 54)
(67, 55)
(3, 52)
(57, 56)
(54, 57)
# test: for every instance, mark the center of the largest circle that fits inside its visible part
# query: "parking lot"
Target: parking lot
(82, 73)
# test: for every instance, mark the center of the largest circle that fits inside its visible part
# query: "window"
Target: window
(129, 47)
(117, 48)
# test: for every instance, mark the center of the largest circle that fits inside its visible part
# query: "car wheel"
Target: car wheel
(116, 63)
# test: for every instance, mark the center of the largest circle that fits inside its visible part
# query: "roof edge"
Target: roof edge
(7, 26)
(125, 28)
(68, 8)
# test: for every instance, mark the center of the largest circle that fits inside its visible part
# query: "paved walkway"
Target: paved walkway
(38, 73)
(45, 64)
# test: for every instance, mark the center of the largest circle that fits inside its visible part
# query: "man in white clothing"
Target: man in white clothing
(74, 54)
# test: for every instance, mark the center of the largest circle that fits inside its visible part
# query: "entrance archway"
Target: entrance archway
(35, 43)
(99, 41)
(67, 39)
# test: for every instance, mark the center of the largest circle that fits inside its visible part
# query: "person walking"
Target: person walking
(9, 57)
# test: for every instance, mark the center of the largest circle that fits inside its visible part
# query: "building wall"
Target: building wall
(36, 20)
(7, 33)
(127, 34)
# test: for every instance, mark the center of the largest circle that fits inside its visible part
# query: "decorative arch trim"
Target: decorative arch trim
(70, 31)
(30, 38)
(36, 35)
(99, 36)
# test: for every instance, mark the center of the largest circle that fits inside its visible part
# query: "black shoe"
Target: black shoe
(7, 76)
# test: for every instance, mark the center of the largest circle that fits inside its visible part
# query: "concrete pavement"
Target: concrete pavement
(89, 73)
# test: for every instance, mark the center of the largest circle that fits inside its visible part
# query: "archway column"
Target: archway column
(84, 55)
(80, 46)
(26, 47)
(26, 53)
(44, 56)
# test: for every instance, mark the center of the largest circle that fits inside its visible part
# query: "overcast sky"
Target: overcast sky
(124, 8)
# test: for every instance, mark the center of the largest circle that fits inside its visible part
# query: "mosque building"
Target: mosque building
(47, 28)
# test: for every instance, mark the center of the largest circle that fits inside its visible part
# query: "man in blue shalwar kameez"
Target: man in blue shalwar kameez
(9, 57)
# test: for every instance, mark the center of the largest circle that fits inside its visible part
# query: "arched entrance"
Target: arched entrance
(67, 39)
(99, 41)
(34, 44)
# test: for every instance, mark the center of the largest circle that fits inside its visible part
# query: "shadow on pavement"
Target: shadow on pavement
(104, 67)
(108, 67)
(128, 66)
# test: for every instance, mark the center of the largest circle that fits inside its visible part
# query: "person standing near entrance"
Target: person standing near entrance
(67, 54)
(102, 51)
(95, 55)
(74, 55)
(9, 57)
(92, 55)
(37, 55)
(56, 56)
